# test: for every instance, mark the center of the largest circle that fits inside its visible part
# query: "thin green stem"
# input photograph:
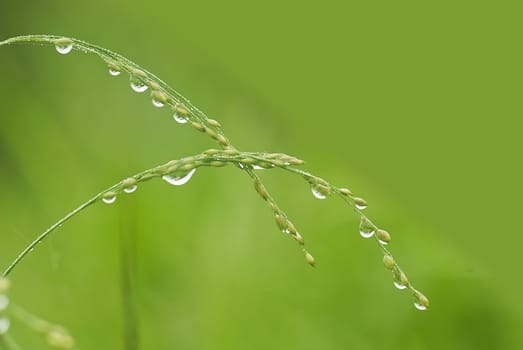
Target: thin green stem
(46, 233)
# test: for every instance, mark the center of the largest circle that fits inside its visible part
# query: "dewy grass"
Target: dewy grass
(178, 172)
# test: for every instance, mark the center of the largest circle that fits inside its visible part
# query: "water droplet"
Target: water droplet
(109, 198)
(179, 180)
(420, 306)
(366, 228)
(399, 285)
(63, 46)
(257, 167)
(138, 86)
(4, 325)
(360, 203)
(114, 72)
(130, 189)
(180, 118)
(158, 103)
(316, 193)
(4, 302)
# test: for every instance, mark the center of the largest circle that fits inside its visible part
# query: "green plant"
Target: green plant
(178, 172)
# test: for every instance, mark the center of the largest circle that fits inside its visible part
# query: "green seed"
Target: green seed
(211, 133)
(217, 163)
(383, 236)
(222, 140)
(182, 111)
(138, 73)
(211, 152)
(159, 96)
(310, 259)
(198, 126)
(345, 191)
(388, 261)
(154, 85)
(130, 181)
(213, 122)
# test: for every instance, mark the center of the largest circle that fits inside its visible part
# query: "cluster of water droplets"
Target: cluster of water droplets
(179, 180)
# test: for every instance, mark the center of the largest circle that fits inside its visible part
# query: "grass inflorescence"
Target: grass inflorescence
(178, 172)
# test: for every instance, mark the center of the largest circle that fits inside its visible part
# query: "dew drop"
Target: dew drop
(361, 207)
(4, 302)
(316, 193)
(158, 103)
(138, 86)
(179, 180)
(399, 285)
(130, 189)
(180, 118)
(257, 167)
(366, 228)
(64, 46)
(109, 199)
(4, 325)
(420, 307)
(360, 203)
(114, 72)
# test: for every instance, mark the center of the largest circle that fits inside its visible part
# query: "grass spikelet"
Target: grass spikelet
(179, 172)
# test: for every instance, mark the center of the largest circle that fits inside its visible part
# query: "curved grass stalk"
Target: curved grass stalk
(179, 171)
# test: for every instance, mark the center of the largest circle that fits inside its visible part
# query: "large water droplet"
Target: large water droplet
(64, 46)
(130, 189)
(316, 193)
(179, 180)
(138, 86)
(420, 306)
(4, 325)
(4, 302)
(366, 228)
(399, 285)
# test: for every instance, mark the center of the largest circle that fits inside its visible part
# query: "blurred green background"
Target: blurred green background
(414, 106)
